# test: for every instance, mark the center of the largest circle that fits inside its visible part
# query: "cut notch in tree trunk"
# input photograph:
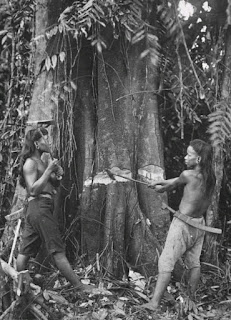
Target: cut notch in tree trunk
(111, 175)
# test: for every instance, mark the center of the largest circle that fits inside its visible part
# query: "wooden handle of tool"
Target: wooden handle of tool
(131, 179)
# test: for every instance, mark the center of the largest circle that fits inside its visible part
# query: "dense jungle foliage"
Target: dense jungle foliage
(189, 50)
(191, 46)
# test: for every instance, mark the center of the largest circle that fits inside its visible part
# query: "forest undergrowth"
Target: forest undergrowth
(115, 299)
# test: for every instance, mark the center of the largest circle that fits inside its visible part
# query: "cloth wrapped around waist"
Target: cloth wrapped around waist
(189, 220)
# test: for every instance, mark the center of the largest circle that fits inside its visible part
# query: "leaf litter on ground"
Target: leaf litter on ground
(114, 299)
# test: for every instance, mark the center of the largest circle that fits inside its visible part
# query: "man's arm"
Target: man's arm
(169, 184)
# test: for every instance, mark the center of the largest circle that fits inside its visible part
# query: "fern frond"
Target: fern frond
(220, 123)
(168, 16)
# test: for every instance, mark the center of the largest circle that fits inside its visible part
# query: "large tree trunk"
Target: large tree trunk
(115, 125)
(212, 215)
(42, 107)
(127, 137)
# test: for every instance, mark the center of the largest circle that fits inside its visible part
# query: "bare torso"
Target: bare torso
(194, 202)
(37, 167)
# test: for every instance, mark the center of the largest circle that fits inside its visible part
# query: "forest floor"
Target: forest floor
(116, 300)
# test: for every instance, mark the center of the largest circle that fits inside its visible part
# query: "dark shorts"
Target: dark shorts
(40, 226)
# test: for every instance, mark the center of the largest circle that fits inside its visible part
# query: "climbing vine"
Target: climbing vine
(189, 90)
(166, 41)
(85, 21)
(16, 21)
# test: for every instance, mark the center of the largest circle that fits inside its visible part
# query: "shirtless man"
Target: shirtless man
(198, 181)
(40, 180)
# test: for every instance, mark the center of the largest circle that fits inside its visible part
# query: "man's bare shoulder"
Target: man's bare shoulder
(30, 165)
(189, 174)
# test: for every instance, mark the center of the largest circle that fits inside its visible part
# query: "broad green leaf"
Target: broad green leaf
(73, 85)
(54, 61)
(62, 56)
(2, 32)
(48, 63)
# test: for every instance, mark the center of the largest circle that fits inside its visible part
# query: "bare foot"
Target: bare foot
(148, 306)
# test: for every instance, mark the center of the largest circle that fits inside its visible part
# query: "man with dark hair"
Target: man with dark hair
(40, 180)
(198, 181)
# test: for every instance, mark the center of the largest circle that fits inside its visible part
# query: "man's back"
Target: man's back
(194, 201)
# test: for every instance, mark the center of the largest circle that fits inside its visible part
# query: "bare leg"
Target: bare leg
(23, 279)
(22, 262)
(194, 277)
(161, 285)
(65, 268)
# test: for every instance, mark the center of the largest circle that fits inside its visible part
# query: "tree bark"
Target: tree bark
(42, 106)
(218, 159)
(116, 214)
(114, 121)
